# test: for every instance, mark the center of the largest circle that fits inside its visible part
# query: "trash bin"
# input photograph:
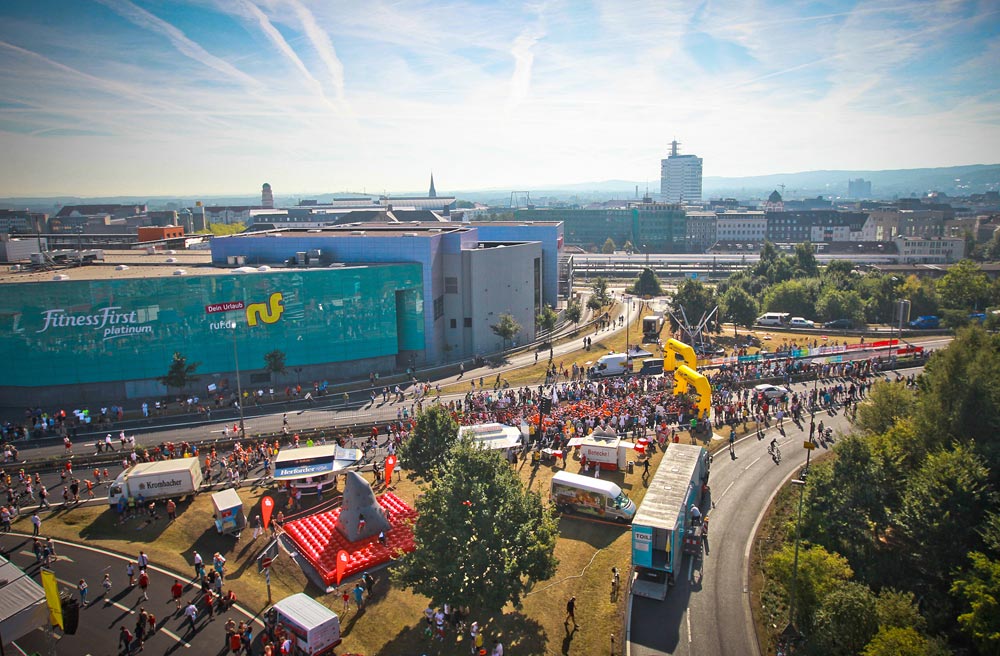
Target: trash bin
(631, 466)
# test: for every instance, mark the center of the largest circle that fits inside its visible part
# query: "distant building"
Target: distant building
(228, 214)
(680, 177)
(750, 226)
(774, 203)
(432, 192)
(815, 226)
(700, 231)
(918, 250)
(266, 197)
(159, 233)
(23, 222)
(651, 227)
(859, 188)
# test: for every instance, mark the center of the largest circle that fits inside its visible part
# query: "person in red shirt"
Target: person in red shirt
(144, 583)
(177, 591)
(209, 604)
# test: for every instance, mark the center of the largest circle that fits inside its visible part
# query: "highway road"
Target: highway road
(707, 612)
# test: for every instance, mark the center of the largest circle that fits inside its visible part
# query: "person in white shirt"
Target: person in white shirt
(497, 648)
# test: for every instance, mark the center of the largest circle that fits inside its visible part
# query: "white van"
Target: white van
(615, 364)
(573, 493)
(773, 319)
(316, 628)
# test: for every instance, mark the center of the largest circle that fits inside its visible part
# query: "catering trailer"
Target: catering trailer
(662, 521)
(604, 449)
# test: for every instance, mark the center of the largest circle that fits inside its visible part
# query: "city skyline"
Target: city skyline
(212, 97)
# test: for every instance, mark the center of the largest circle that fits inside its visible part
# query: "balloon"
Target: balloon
(266, 506)
(390, 464)
(341, 564)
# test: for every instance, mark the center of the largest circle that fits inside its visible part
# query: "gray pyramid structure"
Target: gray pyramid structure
(360, 500)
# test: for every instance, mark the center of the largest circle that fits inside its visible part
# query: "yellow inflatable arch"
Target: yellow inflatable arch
(674, 349)
(684, 378)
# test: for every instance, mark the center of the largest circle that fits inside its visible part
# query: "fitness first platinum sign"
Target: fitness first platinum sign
(111, 322)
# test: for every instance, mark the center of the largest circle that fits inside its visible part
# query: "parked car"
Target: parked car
(772, 391)
(799, 322)
(839, 324)
(927, 321)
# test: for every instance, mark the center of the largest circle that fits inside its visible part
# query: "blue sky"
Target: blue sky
(165, 97)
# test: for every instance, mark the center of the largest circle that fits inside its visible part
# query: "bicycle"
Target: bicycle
(775, 453)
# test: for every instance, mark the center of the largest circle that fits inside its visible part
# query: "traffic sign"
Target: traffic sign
(265, 562)
(808, 445)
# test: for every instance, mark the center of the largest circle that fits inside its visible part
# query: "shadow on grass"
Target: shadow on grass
(597, 534)
(518, 633)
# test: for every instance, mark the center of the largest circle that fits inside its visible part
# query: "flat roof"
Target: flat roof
(381, 229)
(668, 491)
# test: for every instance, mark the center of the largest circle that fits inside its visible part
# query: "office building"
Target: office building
(859, 189)
(266, 197)
(680, 177)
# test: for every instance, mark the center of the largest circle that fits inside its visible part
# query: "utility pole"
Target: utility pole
(239, 385)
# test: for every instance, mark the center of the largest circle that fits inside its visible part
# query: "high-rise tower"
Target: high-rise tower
(680, 177)
(266, 197)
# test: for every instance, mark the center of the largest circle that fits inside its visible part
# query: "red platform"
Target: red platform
(318, 539)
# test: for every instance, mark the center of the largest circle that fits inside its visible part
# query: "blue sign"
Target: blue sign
(642, 546)
(302, 471)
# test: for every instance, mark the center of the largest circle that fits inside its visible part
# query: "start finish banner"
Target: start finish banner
(855, 351)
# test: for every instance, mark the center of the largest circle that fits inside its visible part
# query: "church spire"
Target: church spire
(432, 193)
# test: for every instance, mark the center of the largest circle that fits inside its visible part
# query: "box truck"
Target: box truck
(572, 493)
(615, 364)
(157, 480)
(316, 628)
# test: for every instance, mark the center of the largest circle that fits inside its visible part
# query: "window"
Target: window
(454, 323)
(450, 285)
(467, 322)
(438, 307)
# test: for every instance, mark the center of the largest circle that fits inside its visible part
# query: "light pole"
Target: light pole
(239, 385)
(625, 298)
(901, 302)
(791, 631)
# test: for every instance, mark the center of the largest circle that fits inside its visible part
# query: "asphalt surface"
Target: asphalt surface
(707, 612)
(101, 618)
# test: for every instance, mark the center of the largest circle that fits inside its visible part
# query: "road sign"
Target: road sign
(808, 445)
(266, 562)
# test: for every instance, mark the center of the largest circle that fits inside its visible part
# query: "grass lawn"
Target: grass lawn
(391, 623)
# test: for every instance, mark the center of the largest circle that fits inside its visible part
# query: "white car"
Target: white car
(772, 391)
(799, 322)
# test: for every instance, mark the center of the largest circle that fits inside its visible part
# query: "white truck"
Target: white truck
(572, 493)
(316, 628)
(157, 480)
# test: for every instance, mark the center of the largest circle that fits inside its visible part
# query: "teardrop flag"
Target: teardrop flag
(266, 506)
(341, 564)
(390, 464)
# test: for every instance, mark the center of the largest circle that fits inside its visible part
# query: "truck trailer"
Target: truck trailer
(157, 480)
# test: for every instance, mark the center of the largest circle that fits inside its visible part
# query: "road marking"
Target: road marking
(687, 616)
(726, 490)
(23, 653)
(122, 607)
(173, 635)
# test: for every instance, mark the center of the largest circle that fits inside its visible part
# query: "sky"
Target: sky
(175, 97)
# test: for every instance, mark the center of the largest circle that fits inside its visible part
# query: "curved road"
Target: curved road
(707, 612)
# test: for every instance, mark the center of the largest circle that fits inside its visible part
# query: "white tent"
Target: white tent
(22, 603)
(492, 436)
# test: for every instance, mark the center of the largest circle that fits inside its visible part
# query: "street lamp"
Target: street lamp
(901, 302)
(790, 630)
(239, 386)
(625, 298)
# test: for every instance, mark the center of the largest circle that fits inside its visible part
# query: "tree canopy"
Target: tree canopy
(506, 328)
(647, 284)
(433, 435)
(274, 361)
(482, 538)
(180, 374)
(738, 307)
(546, 319)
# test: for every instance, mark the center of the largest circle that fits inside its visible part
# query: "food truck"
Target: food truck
(315, 627)
(229, 515)
(661, 524)
(604, 449)
(573, 493)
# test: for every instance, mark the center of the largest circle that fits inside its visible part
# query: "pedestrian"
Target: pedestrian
(151, 621)
(347, 600)
(52, 548)
(124, 641)
(258, 527)
(645, 467)
(570, 611)
(497, 648)
(36, 524)
(177, 591)
(191, 615)
(171, 510)
(130, 570)
(369, 582)
(210, 604)
(106, 586)
(144, 583)
(199, 566)
(140, 631)
(82, 587)
(359, 593)
(143, 560)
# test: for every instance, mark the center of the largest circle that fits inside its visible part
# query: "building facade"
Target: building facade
(700, 231)
(680, 177)
(650, 227)
(737, 226)
(921, 250)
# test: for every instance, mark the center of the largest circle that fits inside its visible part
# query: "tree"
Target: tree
(599, 290)
(977, 589)
(594, 304)
(896, 609)
(609, 246)
(964, 287)
(696, 298)
(546, 319)
(274, 361)
(737, 306)
(797, 297)
(903, 641)
(506, 328)
(805, 260)
(886, 404)
(922, 294)
(845, 621)
(944, 502)
(647, 284)
(573, 312)
(628, 247)
(180, 374)
(838, 304)
(433, 435)
(820, 571)
(481, 536)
